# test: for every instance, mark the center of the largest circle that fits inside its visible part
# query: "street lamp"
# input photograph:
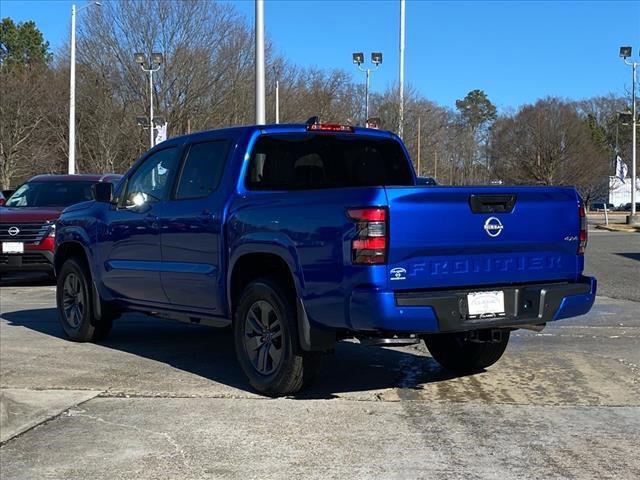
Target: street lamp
(153, 65)
(275, 75)
(358, 59)
(72, 88)
(625, 52)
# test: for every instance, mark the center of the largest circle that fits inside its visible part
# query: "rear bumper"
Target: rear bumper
(446, 311)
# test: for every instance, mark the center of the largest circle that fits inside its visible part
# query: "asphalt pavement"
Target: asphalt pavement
(614, 258)
(160, 399)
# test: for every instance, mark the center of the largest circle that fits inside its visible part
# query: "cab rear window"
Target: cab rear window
(317, 161)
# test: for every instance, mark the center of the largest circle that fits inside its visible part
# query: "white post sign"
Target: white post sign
(161, 133)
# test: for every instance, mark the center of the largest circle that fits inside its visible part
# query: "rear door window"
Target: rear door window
(202, 169)
(316, 161)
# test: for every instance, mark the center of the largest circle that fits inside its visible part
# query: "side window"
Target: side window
(202, 169)
(152, 180)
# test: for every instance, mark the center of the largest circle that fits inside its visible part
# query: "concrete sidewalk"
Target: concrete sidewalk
(23, 409)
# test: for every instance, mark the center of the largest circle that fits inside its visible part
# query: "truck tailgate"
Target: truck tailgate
(439, 237)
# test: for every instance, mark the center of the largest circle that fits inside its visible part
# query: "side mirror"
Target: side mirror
(7, 193)
(102, 192)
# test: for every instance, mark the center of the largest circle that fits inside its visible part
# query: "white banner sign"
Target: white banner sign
(161, 133)
(621, 169)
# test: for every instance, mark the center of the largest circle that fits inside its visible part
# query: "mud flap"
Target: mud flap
(97, 305)
(312, 339)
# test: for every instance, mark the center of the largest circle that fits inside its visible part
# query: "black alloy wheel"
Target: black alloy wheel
(263, 337)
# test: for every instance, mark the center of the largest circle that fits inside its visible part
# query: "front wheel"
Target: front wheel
(456, 351)
(266, 341)
(75, 304)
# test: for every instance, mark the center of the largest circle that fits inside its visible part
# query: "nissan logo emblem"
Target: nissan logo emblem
(13, 231)
(493, 226)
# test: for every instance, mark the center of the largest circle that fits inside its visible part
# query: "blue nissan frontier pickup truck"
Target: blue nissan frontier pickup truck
(299, 236)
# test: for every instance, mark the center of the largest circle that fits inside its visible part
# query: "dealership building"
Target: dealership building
(620, 192)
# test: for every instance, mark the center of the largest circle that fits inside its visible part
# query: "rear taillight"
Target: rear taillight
(583, 230)
(330, 127)
(369, 247)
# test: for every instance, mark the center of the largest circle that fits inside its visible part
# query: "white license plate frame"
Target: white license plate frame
(486, 304)
(12, 247)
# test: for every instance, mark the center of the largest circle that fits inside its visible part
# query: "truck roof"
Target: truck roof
(284, 128)
(85, 177)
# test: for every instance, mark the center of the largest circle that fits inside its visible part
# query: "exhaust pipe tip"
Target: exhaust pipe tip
(534, 328)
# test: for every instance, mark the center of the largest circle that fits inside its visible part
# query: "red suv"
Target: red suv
(27, 219)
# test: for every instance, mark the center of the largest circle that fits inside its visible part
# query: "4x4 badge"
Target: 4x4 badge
(398, 273)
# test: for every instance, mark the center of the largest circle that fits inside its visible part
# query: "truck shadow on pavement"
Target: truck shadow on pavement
(209, 353)
(630, 255)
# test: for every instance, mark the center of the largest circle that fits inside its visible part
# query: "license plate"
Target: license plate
(12, 247)
(486, 304)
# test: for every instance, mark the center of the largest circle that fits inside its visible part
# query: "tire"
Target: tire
(455, 352)
(266, 340)
(75, 304)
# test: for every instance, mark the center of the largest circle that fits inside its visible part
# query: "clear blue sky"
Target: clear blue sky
(516, 51)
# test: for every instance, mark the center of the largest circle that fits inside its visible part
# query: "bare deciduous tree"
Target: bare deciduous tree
(22, 90)
(207, 81)
(546, 143)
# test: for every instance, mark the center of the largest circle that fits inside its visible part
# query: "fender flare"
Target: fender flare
(75, 236)
(273, 244)
(310, 337)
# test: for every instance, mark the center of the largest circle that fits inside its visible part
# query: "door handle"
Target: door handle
(207, 215)
(152, 219)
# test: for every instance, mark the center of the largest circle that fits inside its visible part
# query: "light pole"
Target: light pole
(260, 93)
(275, 75)
(625, 52)
(153, 65)
(72, 89)
(419, 113)
(358, 59)
(401, 73)
(623, 118)
(419, 120)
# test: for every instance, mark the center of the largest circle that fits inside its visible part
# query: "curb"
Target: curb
(619, 228)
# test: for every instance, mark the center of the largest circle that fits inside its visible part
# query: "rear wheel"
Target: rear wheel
(266, 340)
(456, 351)
(75, 304)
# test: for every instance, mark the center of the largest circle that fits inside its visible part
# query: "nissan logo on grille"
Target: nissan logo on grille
(493, 226)
(13, 231)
